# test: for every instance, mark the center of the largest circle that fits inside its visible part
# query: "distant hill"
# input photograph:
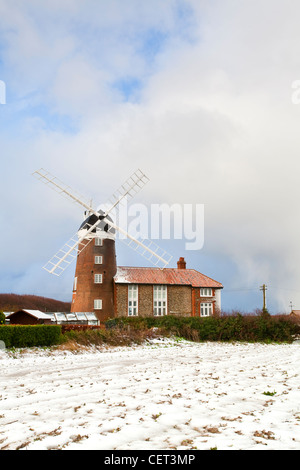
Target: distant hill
(13, 302)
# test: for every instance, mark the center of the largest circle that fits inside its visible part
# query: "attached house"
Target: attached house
(169, 291)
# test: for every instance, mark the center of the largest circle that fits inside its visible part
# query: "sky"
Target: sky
(201, 95)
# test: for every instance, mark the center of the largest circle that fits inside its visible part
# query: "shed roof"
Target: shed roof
(295, 312)
(34, 313)
(169, 276)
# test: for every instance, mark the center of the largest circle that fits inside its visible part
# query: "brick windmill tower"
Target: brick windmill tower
(93, 247)
(95, 268)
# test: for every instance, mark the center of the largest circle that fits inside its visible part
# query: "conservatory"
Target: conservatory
(79, 318)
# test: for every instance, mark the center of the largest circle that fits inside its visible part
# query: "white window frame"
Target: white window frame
(206, 292)
(75, 284)
(160, 300)
(98, 259)
(98, 304)
(98, 241)
(98, 278)
(133, 300)
(206, 309)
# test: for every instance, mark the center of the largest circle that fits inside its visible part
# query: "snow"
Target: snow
(162, 395)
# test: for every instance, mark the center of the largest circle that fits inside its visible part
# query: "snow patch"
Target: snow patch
(166, 394)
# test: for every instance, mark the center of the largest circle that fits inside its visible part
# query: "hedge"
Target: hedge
(251, 328)
(21, 336)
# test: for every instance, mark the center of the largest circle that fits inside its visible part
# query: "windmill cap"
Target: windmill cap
(103, 226)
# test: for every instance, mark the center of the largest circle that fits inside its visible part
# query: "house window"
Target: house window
(206, 309)
(132, 300)
(206, 292)
(98, 259)
(160, 300)
(98, 278)
(98, 242)
(98, 304)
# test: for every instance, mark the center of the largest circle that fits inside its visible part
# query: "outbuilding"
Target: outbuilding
(29, 317)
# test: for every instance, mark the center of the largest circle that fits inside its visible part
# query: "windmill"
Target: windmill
(93, 246)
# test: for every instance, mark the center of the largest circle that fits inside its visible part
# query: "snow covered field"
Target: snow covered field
(160, 396)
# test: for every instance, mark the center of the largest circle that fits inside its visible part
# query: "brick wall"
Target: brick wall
(121, 299)
(205, 299)
(179, 300)
(145, 300)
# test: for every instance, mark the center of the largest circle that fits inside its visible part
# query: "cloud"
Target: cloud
(197, 94)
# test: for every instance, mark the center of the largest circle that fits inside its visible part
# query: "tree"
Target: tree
(2, 318)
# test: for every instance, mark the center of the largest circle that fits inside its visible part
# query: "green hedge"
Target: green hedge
(21, 336)
(251, 328)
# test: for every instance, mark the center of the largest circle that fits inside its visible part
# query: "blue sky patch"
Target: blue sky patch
(129, 87)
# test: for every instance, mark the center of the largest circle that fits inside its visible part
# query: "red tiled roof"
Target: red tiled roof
(191, 277)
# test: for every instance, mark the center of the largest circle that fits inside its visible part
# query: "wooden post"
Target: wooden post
(264, 288)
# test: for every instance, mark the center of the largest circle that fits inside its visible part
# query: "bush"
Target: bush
(124, 331)
(114, 335)
(21, 336)
(237, 327)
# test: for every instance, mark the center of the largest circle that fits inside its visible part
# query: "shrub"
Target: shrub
(30, 335)
(119, 334)
(237, 327)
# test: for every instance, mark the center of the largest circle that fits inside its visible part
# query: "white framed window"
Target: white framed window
(133, 305)
(98, 259)
(160, 300)
(98, 304)
(98, 278)
(75, 283)
(98, 241)
(206, 292)
(206, 309)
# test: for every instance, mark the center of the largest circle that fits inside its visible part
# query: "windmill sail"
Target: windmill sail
(149, 250)
(125, 192)
(64, 257)
(56, 185)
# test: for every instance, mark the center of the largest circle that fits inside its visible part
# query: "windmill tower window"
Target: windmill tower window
(98, 278)
(98, 241)
(98, 304)
(98, 259)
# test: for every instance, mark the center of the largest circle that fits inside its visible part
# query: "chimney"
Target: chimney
(181, 264)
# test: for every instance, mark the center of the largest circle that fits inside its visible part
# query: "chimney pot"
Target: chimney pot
(181, 264)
